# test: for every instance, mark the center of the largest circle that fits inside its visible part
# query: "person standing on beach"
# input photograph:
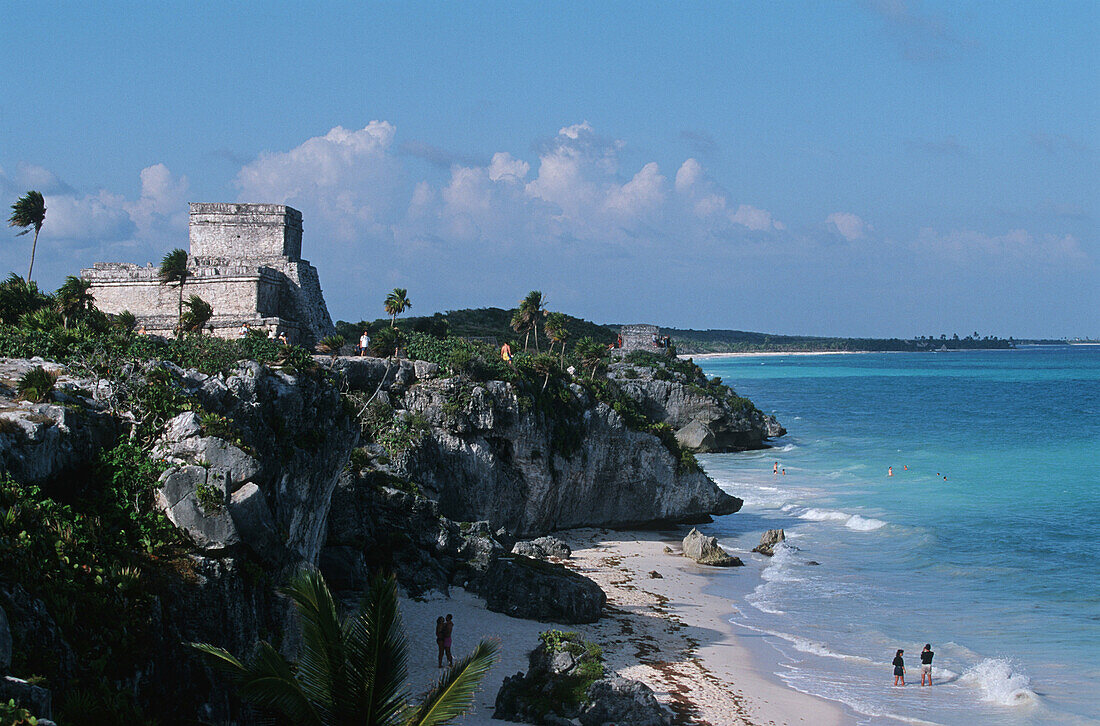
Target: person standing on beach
(899, 668)
(448, 628)
(439, 623)
(926, 663)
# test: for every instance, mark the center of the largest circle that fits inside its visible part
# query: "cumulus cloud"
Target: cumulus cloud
(1015, 247)
(712, 204)
(848, 225)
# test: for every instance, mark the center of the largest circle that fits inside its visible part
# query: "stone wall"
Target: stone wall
(246, 231)
(245, 261)
(639, 337)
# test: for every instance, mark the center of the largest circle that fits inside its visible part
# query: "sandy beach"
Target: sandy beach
(770, 353)
(664, 631)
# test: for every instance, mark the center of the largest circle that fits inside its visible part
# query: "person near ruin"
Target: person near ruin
(142, 331)
(283, 340)
(619, 342)
(271, 334)
(506, 353)
(364, 343)
(926, 663)
(899, 668)
(656, 341)
(448, 628)
(244, 330)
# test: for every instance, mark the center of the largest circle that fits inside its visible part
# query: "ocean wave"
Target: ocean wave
(851, 521)
(999, 683)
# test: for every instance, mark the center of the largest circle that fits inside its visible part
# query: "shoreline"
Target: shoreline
(668, 632)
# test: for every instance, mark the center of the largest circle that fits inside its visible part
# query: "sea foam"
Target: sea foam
(999, 683)
(851, 521)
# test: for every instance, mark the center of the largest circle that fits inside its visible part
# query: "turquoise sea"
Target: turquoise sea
(987, 546)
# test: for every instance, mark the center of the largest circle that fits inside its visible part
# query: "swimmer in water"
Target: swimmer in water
(905, 468)
(775, 468)
(890, 471)
(784, 472)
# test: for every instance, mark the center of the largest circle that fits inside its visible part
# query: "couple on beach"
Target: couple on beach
(443, 629)
(925, 666)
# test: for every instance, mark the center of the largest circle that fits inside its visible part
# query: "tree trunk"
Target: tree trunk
(393, 321)
(34, 244)
(525, 339)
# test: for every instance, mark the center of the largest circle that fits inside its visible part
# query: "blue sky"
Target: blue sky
(867, 168)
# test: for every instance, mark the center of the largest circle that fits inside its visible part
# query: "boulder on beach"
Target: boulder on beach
(768, 541)
(542, 548)
(524, 587)
(623, 702)
(706, 551)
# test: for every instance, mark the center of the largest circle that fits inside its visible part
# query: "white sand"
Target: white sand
(664, 632)
(757, 354)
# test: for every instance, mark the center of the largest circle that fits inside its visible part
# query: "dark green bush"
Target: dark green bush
(36, 384)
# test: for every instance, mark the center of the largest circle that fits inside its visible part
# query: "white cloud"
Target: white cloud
(848, 225)
(759, 220)
(1015, 247)
(505, 167)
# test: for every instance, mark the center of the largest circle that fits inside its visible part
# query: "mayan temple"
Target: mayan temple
(245, 260)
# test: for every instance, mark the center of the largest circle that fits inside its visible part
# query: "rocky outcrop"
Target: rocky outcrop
(706, 551)
(543, 548)
(374, 526)
(623, 702)
(528, 588)
(41, 441)
(768, 541)
(706, 415)
(559, 669)
(490, 457)
(264, 476)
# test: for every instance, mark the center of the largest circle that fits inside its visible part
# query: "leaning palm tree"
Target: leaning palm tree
(555, 330)
(74, 298)
(533, 307)
(173, 269)
(397, 302)
(350, 670)
(197, 315)
(522, 324)
(29, 211)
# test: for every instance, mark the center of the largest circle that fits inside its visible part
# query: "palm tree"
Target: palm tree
(397, 302)
(197, 316)
(591, 353)
(29, 211)
(173, 268)
(330, 346)
(554, 327)
(534, 307)
(73, 298)
(350, 670)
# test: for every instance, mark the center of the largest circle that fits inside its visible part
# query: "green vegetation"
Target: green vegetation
(36, 384)
(351, 669)
(196, 316)
(489, 325)
(13, 715)
(331, 345)
(96, 551)
(739, 341)
(27, 212)
(567, 692)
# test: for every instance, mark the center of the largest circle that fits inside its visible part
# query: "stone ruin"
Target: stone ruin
(640, 337)
(245, 260)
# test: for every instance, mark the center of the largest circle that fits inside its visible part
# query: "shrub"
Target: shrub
(36, 384)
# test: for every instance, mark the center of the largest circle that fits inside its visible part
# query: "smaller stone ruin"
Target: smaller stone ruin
(641, 337)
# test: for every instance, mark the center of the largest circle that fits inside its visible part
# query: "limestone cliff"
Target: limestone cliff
(706, 415)
(485, 451)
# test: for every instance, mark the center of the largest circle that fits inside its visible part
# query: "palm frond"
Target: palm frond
(267, 681)
(454, 692)
(173, 268)
(321, 662)
(29, 211)
(378, 654)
